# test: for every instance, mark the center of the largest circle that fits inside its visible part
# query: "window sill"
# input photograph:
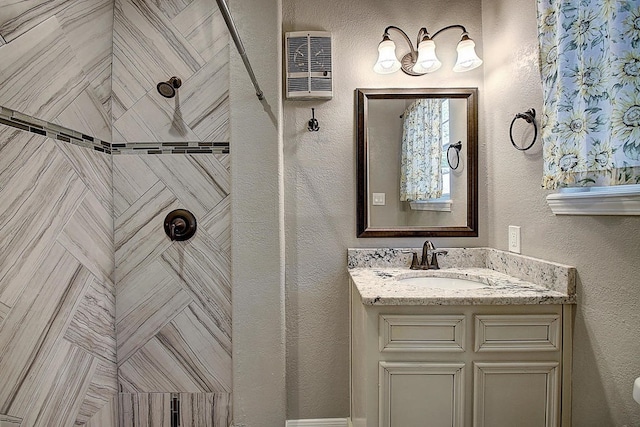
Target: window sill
(438, 206)
(622, 200)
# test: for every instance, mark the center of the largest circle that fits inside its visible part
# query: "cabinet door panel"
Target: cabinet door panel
(522, 394)
(420, 394)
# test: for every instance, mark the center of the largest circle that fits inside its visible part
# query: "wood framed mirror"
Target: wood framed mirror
(408, 142)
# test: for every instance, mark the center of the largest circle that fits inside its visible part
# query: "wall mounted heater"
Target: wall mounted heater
(308, 65)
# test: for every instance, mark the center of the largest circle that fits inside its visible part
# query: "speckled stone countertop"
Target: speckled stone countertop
(511, 279)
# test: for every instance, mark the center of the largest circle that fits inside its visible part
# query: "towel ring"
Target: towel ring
(530, 117)
(456, 149)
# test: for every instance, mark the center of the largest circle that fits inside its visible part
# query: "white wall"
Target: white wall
(257, 250)
(319, 190)
(605, 250)
(320, 186)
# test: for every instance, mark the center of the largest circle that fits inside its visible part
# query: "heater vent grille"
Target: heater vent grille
(309, 65)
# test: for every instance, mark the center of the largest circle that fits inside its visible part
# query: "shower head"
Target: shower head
(168, 88)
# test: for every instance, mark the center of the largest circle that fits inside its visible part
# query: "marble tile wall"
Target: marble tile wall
(64, 298)
(56, 62)
(155, 40)
(93, 66)
(57, 295)
(173, 299)
(27, 123)
(62, 107)
(195, 409)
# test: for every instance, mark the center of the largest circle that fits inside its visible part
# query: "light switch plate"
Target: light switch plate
(378, 199)
(514, 239)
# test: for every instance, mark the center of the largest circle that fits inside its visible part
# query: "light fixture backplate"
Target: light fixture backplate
(407, 65)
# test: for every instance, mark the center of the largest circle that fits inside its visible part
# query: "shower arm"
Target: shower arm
(226, 14)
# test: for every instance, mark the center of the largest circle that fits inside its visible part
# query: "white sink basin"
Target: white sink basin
(442, 282)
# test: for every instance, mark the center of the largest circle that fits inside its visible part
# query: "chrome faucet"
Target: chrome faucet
(428, 250)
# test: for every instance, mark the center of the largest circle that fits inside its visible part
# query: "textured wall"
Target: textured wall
(258, 231)
(604, 249)
(57, 302)
(320, 187)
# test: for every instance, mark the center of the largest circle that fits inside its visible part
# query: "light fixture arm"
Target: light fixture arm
(421, 34)
(464, 30)
(385, 36)
(410, 58)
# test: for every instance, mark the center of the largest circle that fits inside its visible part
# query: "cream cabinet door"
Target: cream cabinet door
(523, 394)
(421, 394)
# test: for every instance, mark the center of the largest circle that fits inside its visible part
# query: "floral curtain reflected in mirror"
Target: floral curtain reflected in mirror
(421, 171)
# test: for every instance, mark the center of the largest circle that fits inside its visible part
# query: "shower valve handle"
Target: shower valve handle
(180, 224)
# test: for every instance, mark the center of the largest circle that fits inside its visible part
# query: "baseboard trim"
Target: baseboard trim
(321, 422)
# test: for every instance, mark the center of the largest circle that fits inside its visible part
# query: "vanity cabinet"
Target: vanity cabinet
(460, 366)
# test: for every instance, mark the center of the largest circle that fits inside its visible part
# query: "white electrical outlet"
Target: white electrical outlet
(514, 239)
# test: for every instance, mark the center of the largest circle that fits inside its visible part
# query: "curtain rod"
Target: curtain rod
(226, 14)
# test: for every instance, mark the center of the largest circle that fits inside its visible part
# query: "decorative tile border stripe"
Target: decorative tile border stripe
(171, 148)
(26, 123)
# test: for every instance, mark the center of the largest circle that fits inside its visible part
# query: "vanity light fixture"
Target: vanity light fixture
(423, 60)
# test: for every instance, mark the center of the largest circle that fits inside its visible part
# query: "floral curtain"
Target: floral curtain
(590, 66)
(420, 174)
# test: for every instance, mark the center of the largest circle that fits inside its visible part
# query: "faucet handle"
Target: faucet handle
(434, 258)
(414, 259)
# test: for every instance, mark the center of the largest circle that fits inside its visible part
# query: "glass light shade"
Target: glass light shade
(467, 58)
(387, 62)
(427, 60)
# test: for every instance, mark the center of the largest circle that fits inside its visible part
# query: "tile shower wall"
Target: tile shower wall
(57, 303)
(56, 63)
(93, 66)
(173, 299)
(174, 310)
(57, 296)
(196, 409)
(155, 40)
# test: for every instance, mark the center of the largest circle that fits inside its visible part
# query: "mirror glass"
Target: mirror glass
(417, 162)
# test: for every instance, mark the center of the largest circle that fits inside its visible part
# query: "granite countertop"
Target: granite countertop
(511, 279)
